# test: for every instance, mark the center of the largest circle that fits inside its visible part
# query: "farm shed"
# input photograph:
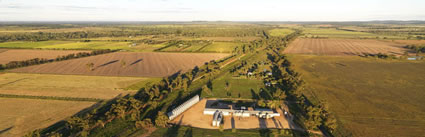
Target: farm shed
(183, 107)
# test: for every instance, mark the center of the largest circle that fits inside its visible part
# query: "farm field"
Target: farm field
(280, 32)
(221, 47)
(335, 33)
(126, 64)
(369, 97)
(67, 85)
(7, 56)
(20, 116)
(29, 45)
(341, 47)
(409, 42)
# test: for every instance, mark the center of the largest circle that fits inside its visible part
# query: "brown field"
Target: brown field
(342, 47)
(7, 56)
(136, 64)
(194, 117)
(20, 116)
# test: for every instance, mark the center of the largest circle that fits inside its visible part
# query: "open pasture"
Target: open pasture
(280, 32)
(221, 47)
(7, 56)
(126, 64)
(340, 47)
(20, 116)
(369, 97)
(30, 45)
(66, 85)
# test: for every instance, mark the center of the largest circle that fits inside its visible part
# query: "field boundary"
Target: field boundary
(50, 98)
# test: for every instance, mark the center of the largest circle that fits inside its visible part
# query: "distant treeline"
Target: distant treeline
(416, 48)
(132, 31)
(36, 61)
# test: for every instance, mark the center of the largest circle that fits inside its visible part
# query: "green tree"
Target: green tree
(161, 120)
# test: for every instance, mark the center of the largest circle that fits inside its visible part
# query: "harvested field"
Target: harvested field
(371, 98)
(7, 56)
(194, 117)
(343, 47)
(23, 115)
(99, 87)
(126, 64)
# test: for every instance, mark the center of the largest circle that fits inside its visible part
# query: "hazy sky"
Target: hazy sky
(211, 10)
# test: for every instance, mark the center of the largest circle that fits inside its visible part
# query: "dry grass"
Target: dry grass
(65, 85)
(342, 47)
(136, 64)
(370, 97)
(20, 116)
(7, 56)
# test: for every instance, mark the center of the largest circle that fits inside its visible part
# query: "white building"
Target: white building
(183, 107)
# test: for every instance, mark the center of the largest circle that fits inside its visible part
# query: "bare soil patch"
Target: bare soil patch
(127, 64)
(194, 117)
(7, 56)
(340, 47)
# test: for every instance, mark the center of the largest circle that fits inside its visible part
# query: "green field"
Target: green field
(370, 97)
(334, 33)
(221, 47)
(22, 44)
(280, 32)
(94, 45)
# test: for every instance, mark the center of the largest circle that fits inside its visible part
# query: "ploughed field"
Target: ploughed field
(8, 55)
(343, 47)
(126, 64)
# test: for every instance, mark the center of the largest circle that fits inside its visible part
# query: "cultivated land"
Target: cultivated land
(20, 116)
(7, 56)
(343, 47)
(67, 85)
(25, 44)
(369, 97)
(221, 47)
(280, 32)
(136, 64)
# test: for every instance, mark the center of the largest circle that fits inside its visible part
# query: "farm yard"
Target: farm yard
(126, 64)
(369, 97)
(341, 47)
(8, 55)
(20, 116)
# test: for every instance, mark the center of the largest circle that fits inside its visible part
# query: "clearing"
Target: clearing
(7, 56)
(67, 85)
(126, 64)
(24, 115)
(280, 32)
(340, 47)
(369, 97)
(221, 47)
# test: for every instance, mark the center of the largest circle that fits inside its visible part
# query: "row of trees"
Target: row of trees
(36, 61)
(129, 31)
(416, 48)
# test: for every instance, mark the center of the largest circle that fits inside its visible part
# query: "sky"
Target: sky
(211, 10)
